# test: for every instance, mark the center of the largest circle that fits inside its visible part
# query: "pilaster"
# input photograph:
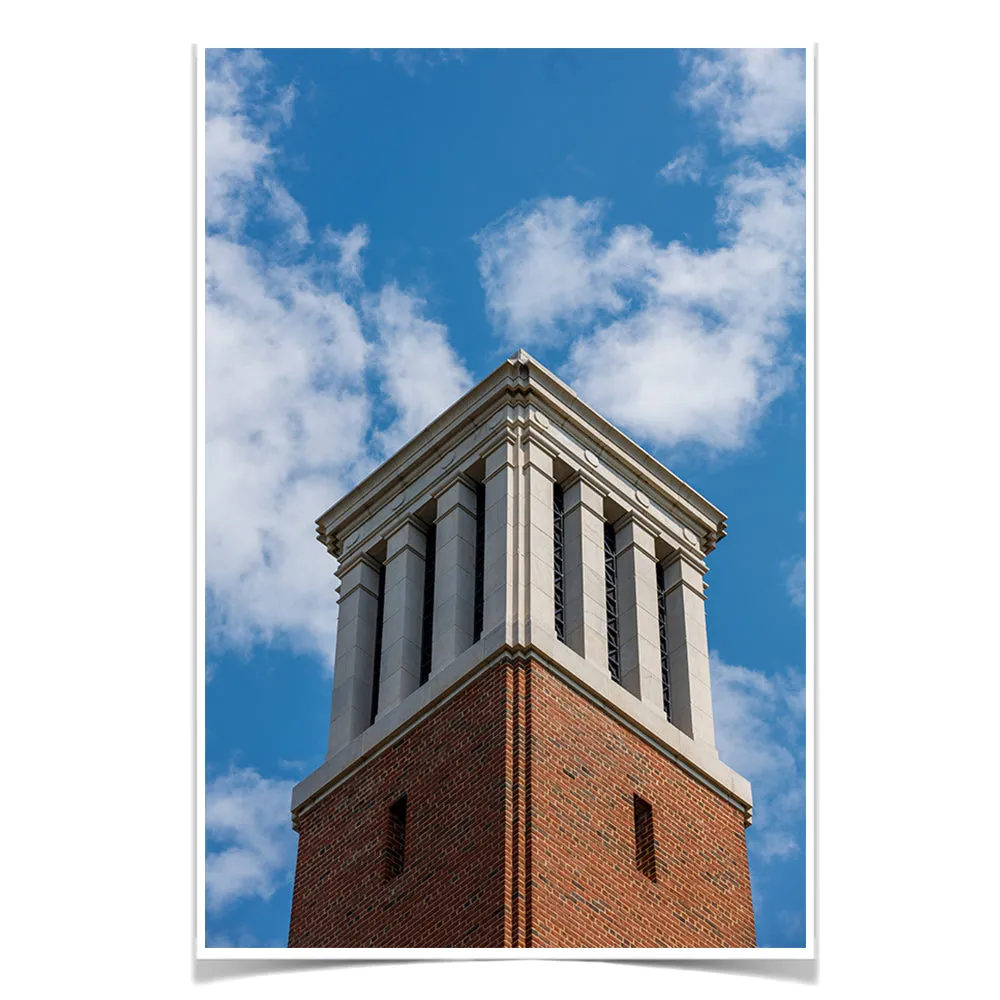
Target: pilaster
(402, 615)
(499, 593)
(355, 654)
(454, 577)
(687, 646)
(539, 574)
(638, 624)
(586, 609)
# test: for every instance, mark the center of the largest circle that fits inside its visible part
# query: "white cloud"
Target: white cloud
(546, 265)
(287, 212)
(695, 350)
(754, 95)
(421, 374)
(237, 148)
(759, 725)
(290, 374)
(687, 165)
(286, 419)
(248, 818)
(795, 582)
(350, 246)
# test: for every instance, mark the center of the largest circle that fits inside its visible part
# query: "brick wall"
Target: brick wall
(587, 890)
(519, 751)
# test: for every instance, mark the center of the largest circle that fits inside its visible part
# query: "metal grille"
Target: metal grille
(661, 606)
(611, 593)
(427, 627)
(379, 615)
(477, 621)
(558, 508)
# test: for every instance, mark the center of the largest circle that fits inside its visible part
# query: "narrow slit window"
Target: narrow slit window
(611, 593)
(427, 628)
(377, 666)
(558, 552)
(395, 847)
(477, 624)
(645, 845)
(661, 607)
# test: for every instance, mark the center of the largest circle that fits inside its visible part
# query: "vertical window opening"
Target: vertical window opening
(558, 509)
(661, 607)
(377, 669)
(645, 845)
(611, 592)
(477, 623)
(427, 628)
(395, 847)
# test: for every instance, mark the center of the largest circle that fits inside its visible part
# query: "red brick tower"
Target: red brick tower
(522, 751)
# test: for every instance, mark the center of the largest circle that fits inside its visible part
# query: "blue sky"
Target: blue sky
(383, 229)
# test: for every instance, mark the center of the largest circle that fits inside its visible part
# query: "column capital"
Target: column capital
(502, 454)
(581, 489)
(632, 531)
(459, 490)
(361, 571)
(410, 535)
(537, 455)
(680, 568)
(531, 433)
(588, 478)
(360, 558)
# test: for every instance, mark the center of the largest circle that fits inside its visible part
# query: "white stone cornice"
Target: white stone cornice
(524, 384)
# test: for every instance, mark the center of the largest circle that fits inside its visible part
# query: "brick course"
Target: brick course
(520, 833)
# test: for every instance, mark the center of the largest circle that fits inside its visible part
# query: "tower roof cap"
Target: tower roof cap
(522, 377)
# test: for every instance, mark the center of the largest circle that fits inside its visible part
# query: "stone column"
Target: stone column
(638, 623)
(687, 646)
(402, 616)
(499, 594)
(454, 577)
(586, 609)
(354, 663)
(539, 574)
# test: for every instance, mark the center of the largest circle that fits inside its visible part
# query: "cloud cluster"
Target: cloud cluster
(754, 96)
(677, 345)
(673, 343)
(297, 350)
(760, 727)
(247, 816)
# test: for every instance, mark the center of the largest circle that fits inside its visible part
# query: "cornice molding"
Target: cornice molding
(519, 381)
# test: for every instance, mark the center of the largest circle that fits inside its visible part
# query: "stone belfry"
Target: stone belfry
(522, 749)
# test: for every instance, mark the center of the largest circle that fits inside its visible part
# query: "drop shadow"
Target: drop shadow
(218, 970)
(792, 970)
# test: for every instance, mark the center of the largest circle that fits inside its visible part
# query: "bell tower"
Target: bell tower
(522, 747)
